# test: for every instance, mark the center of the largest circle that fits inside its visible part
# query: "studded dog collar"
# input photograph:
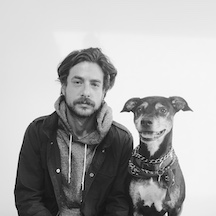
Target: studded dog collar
(160, 168)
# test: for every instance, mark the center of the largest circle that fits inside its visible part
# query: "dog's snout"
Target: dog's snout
(146, 122)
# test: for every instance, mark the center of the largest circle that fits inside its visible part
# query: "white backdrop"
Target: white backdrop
(162, 48)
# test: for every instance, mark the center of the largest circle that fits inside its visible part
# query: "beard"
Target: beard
(82, 107)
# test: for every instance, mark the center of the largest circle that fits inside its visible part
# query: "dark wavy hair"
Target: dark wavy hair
(94, 55)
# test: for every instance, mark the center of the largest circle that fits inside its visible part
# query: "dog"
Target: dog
(157, 185)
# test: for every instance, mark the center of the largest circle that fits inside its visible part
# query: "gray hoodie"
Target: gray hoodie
(76, 156)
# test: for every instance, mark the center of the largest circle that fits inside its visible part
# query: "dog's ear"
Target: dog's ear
(179, 103)
(130, 105)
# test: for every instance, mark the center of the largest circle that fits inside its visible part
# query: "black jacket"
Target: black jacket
(38, 183)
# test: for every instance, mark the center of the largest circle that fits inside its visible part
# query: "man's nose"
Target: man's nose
(86, 90)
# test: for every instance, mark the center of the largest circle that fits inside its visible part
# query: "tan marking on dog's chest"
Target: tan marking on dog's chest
(149, 192)
(153, 146)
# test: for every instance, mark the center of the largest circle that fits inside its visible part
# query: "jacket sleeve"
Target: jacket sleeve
(29, 180)
(118, 201)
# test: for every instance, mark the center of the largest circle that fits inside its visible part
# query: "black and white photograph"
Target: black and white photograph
(108, 107)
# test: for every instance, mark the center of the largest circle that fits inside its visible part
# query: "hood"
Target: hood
(104, 120)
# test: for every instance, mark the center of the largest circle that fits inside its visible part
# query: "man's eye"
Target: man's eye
(95, 84)
(77, 82)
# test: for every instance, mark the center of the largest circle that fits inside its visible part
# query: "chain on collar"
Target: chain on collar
(141, 172)
(135, 170)
(152, 161)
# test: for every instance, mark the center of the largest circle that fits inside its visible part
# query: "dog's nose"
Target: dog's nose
(145, 122)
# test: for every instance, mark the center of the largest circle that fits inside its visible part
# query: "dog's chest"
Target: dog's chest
(148, 192)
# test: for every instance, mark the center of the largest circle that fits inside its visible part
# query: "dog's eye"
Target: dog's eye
(139, 109)
(163, 110)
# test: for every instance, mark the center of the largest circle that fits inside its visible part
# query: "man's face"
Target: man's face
(84, 90)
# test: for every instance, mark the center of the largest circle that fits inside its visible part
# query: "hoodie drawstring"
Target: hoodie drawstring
(69, 163)
(84, 168)
(69, 159)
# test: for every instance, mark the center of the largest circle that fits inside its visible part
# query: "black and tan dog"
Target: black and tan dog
(157, 184)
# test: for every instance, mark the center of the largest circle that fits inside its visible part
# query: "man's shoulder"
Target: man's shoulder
(43, 125)
(121, 128)
(45, 121)
(40, 119)
(44, 117)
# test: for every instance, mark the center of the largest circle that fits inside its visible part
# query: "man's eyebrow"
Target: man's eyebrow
(96, 80)
(77, 77)
(91, 80)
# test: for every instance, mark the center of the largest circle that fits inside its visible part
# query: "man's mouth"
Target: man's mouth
(84, 102)
(151, 135)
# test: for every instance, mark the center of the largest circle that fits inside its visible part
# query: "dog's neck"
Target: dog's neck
(164, 147)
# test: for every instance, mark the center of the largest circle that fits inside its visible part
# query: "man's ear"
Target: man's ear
(179, 103)
(104, 94)
(63, 89)
(130, 105)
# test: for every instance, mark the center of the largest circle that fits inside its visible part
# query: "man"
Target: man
(74, 161)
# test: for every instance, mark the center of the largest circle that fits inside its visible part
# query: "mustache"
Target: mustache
(84, 101)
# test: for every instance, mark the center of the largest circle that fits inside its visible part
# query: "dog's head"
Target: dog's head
(153, 116)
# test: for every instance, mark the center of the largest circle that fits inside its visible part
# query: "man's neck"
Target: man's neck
(81, 127)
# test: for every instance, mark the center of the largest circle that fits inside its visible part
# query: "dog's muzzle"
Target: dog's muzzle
(151, 135)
